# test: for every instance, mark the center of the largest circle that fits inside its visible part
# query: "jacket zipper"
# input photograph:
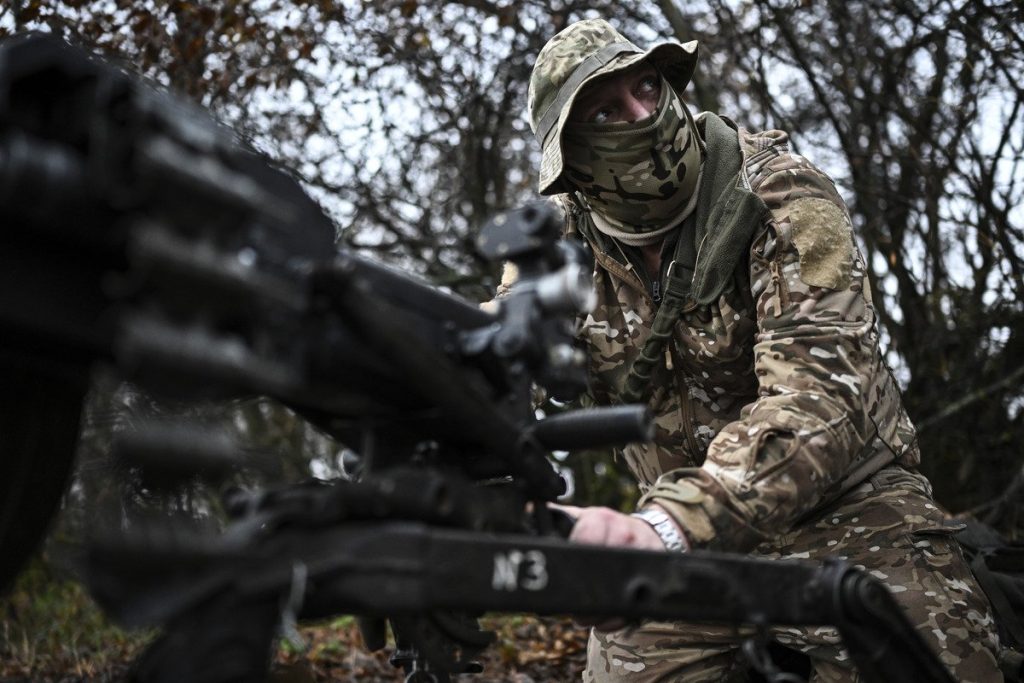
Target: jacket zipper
(780, 285)
(685, 407)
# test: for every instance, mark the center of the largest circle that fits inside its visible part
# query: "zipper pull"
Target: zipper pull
(656, 291)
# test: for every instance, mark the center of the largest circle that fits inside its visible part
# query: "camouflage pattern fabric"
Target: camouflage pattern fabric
(889, 526)
(637, 176)
(582, 52)
(774, 405)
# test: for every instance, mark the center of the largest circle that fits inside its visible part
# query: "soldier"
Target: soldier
(734, 302)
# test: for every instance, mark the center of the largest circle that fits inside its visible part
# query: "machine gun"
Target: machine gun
(138, 234)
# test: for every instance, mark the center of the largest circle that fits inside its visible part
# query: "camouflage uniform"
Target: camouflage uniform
(779, 429)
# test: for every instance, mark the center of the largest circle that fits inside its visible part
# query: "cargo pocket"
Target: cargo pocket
(936, 545)
(948, 599)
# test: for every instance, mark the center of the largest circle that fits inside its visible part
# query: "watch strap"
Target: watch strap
(666, 529)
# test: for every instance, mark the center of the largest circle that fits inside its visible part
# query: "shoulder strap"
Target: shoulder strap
(997, 566)
(675, 301)
(1006, 616)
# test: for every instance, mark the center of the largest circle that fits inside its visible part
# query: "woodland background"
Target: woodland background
(406, 120)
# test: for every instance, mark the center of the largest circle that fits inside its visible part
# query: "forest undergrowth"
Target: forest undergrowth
(52, 632)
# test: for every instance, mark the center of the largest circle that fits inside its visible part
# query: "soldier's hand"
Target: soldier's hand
(604, 526)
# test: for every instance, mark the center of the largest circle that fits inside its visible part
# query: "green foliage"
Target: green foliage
(50, 627)
(602, 479)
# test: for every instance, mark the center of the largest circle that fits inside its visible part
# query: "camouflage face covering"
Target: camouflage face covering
(638, 176)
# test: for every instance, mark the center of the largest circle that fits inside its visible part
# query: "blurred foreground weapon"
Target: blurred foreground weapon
(138, 234)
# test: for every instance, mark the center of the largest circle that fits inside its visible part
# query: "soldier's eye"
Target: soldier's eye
(649, 85)
(602, 115)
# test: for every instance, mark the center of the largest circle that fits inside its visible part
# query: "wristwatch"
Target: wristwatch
(665, 528)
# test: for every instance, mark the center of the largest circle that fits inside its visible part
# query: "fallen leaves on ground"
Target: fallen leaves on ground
(527, 649)
(52, 632)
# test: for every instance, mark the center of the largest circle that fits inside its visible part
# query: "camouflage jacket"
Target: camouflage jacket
(774, 399)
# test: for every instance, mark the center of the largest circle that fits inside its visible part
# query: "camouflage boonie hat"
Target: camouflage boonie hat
(576, 56)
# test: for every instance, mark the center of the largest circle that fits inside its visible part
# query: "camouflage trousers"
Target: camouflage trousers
(888, 526)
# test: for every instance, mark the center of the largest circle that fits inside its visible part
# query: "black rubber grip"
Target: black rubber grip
(595, 428)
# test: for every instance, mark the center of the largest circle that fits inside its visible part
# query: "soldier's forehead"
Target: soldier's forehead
(641, 67)
(595, 88)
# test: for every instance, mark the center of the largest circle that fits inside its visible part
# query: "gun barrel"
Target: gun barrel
(597, 427)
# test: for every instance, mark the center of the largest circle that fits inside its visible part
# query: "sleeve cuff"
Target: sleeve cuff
(696, 525)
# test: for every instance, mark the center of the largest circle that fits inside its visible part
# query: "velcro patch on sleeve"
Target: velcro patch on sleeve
(824, 239)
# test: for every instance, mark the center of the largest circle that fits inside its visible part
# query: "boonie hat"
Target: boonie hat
(573, 58)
